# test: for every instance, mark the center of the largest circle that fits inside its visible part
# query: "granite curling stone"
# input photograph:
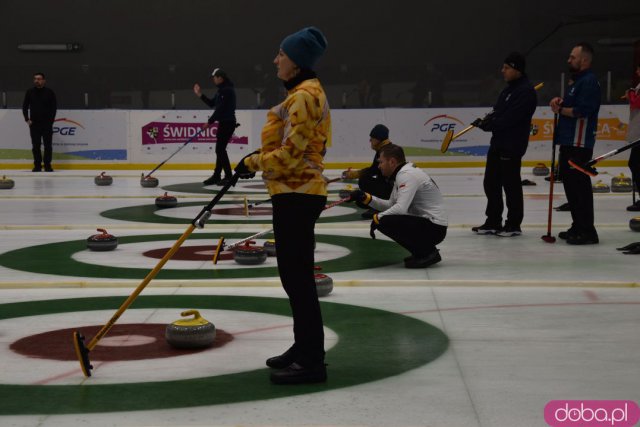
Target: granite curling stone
(166, 201)
(634, 223)
(197, 332)
(600, 187)
(148, 181)
(270, 247)
(621, 184)
(540, 170)
(102, 242)
(6, 183)
(103, 179)
(324, 283)
(249, 255)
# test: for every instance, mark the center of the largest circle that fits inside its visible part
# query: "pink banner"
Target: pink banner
(179, 133)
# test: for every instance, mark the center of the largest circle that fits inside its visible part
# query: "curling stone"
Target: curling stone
(600, 187)
(621, 184)
(148, 181)
(166, 201)
(102, 242)
(540, 170)
(634, 223)
(6, 183)
(345, 192)
(270, 247)
(324, 283)
(249, 255)
(103, 179)
(190, 333)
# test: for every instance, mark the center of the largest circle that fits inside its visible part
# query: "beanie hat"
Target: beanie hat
(304, 47)
(516, 61)
(380, 132)
(219, 72)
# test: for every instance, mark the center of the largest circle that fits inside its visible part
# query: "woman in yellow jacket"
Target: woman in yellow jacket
(294, 141)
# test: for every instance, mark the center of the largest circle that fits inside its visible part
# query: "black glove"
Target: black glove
(242, 170)
(374, 226)
(476, 123)
(484, 122)
(359, 196)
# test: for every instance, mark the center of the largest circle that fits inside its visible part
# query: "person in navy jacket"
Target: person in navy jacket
(576, 134)
(510, 124)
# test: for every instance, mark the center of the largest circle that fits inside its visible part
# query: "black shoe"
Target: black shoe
(486, 229)
(564, 235)
(282, 361)
(509, 231)
(212, 180)
(422, 261)
(298, 374)
(634, 207)
(36, 170)
(48, 169)
(583, 239)
(563, 207)
(526, 182)
(368, 214)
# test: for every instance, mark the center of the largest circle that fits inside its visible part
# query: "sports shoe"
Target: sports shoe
(48, 169)
(423, 261)
(298, 374)
(36, 170)
(509, 231)
(212, 180)
(634, 207)
(583, 239)
(564, 235)
(486, 229)
(282, 361)
(563, 207)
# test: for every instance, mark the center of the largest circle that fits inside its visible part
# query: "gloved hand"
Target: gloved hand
(242, 170)
(350, 174)
(359, 196)
(374, 226)
(476, 123)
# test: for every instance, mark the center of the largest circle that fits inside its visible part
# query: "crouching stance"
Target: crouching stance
(413, 216)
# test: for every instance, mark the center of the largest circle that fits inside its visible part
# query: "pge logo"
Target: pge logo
(69, 130)
(442, 123)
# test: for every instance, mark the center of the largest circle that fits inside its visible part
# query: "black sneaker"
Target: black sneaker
(564, 235)
(634, 207)
(212, 180)
(282, 361)
(583, 239)
(298, 374)
(563, 207)
(509, 231)
(48, 169)
(423, 261)
(36, 170)
(486, 229)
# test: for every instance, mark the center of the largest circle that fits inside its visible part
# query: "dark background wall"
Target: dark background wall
(135, 52)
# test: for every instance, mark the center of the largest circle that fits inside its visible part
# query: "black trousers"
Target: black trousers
(41, 134)
(503, 173)
(223, 136)
(577, 188)
(416, 234)
(634, 166)
(294, 220)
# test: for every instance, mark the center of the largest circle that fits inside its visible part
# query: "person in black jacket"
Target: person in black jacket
(510, 124)
(224, 103)
(370, 179)
(39, 109)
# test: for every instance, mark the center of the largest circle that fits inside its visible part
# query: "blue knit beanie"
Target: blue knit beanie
(380, 132)
(305, 47)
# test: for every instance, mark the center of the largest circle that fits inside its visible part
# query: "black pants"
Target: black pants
(223, 136)
(577, 188)
(416, 234)
(503, 173)
(41, 133)
(634, 166)
(294, 220)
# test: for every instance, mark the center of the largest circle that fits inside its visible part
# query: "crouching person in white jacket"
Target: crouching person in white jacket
(413, 216)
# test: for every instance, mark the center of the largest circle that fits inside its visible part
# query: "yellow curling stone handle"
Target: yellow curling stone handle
(196, 321)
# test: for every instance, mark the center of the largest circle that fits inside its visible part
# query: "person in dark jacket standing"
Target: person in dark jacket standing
(224, 103)
(510, 124)
(370, 179)
(39, 109)
(576, 135)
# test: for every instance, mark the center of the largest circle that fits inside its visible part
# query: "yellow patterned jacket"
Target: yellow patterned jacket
(294, 140)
